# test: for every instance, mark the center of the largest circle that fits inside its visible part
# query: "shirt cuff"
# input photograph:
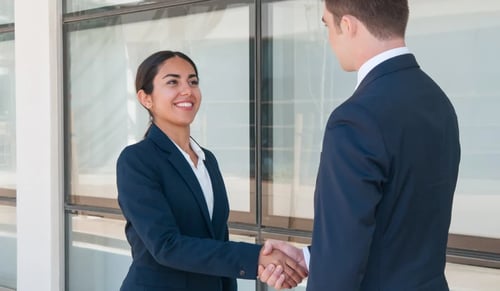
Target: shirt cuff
(307, 256)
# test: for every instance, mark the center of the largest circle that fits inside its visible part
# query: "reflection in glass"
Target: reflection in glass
(8, 241)
(6, 11)
(81, 5)
(97, 244)
(302, 84)
(7, 116)
(8, 249)
(459, 48)
(106, 116)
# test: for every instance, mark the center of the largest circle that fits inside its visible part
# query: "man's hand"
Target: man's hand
(288, 270)
(273, 274)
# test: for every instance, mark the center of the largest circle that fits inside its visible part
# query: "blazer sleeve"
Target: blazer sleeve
(148, 211)
(351, 174)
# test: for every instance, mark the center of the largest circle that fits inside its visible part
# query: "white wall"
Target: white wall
(40, 243)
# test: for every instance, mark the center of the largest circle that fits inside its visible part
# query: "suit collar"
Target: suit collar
(378, 59)
(160, 139)
(391, 65)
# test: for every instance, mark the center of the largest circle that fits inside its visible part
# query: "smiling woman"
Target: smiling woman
(173, 196)
(167, 86)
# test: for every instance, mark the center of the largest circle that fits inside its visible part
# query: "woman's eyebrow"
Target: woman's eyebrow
(178, 76)
(172, 75)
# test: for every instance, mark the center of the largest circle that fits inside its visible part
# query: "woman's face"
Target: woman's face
(176, 97)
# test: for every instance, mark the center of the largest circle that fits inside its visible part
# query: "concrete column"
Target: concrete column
(39, 119)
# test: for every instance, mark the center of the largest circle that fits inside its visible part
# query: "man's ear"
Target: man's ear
(349, 24)
(144, 99)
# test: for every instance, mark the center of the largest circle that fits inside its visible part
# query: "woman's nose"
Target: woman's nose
(185, 89)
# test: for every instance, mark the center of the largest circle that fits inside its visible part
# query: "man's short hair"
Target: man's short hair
(383, 18)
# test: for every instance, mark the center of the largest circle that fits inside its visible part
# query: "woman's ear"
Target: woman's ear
(145, 99)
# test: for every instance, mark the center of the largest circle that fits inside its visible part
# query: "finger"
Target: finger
(300, 270)
(260, 270)
(284, 282)
(275, 276)
(265, 273)
(292, 275)
(287, 282)
(281, 283)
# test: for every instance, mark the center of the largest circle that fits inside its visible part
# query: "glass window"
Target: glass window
(7, 116)
(105, 115)
(80, 5)
(6, 11)
(7, 162)
(458, 46)
(8, 251)
(98, 243)
(302, 84)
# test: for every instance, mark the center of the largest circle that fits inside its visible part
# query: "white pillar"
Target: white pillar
(40, 208)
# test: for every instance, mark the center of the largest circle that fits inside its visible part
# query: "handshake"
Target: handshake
(281, 265)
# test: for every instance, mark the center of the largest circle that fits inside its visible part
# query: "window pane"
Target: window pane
(304, 84)
(96, 244)
(6, 11)
(7, 117)
(458, 45)
(8, 251)
(105, 114)
(80, 5)
(99, 244)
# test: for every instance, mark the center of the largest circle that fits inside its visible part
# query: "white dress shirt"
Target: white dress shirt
(201, 173)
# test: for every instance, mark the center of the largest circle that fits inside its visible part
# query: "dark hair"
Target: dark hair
(383, 18)
(148, 69)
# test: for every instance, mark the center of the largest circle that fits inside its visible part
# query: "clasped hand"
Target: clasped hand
(281, 265)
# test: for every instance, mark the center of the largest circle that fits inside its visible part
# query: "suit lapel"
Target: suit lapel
(178, 161)
(220, 197)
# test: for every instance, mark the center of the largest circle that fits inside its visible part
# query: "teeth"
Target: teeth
(185, 104)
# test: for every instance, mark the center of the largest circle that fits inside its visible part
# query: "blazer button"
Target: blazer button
(242, 273)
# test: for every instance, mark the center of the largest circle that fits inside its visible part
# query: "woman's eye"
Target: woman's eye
(194, 82)
(171, 82)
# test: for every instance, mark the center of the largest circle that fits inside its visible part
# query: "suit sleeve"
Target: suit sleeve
(352, 171)
(148, 211)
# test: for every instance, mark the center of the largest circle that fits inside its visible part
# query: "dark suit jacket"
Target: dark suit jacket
(385, 185)
(175, 245)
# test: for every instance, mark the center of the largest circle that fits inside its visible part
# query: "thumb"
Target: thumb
(267, 248)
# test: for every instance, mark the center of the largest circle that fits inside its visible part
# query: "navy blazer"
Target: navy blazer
(385, 185)
(175, 245)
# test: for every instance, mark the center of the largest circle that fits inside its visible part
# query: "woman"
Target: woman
(173, 197)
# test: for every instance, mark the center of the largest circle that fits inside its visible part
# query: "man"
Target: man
(388, 166)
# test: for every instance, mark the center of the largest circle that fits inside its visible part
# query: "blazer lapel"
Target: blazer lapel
(221, 205)
(178, 161)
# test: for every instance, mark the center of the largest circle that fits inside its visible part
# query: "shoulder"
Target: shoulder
(353, 113)
(137, 153)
